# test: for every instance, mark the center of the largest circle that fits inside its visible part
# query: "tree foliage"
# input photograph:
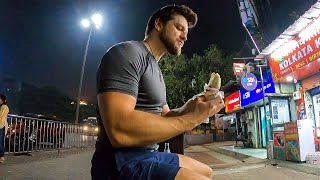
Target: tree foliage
(186, 77)
(49, 102)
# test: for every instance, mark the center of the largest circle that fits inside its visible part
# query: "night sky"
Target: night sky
(42, 43)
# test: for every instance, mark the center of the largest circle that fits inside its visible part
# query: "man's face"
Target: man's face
(1, 102)
(174, 33)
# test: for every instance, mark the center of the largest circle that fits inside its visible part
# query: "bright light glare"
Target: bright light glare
(97, 20)
(85, 23)
(289, 78)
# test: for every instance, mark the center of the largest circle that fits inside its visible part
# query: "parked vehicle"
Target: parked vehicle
(89, 126)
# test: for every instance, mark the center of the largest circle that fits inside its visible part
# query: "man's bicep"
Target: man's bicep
(113, 105)
(114, 109)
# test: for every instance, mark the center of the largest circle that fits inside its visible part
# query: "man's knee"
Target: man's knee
(208, 171)
(194, 165)
(186, 174)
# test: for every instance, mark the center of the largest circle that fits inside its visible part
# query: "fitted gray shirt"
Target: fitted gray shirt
(129, 68)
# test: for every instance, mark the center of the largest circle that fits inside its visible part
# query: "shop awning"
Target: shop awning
(295, 54)
(293, 31)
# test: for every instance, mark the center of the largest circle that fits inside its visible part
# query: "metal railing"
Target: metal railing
(26, 134)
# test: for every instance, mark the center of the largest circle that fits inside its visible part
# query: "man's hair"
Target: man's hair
(166, 14)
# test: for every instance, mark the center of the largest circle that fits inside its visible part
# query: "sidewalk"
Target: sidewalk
(214, 155)
(75, 164)
(219, 155)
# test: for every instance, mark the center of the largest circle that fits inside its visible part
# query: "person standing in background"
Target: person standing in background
(4, 110)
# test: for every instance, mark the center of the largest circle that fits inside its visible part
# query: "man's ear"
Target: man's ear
(158, 25)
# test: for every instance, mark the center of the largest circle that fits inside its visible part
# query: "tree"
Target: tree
(51, 103)
(186, 77)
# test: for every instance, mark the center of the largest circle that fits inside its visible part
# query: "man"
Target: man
(133, 108)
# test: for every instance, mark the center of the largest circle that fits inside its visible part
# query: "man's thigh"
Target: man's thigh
(162, 166)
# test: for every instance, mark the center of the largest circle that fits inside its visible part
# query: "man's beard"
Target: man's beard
(168, 44)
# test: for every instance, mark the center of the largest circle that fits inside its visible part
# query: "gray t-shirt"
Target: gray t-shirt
(129, 68)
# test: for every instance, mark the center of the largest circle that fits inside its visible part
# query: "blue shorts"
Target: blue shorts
(147, 165)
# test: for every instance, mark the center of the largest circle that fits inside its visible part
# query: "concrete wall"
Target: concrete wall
(284, 88)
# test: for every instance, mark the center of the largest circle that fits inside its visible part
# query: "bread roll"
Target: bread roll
(215, 81)
(211, 90)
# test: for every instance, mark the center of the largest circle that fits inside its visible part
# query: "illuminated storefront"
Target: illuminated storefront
(294, 59)
(252, 102)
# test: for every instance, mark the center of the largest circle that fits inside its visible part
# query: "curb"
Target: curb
(241, 164)
(233, 154)
(301, 167)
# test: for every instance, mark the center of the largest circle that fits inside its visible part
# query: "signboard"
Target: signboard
(232, 102)
(238, 68)
(280, 111)
(278, 145)
(250, 97)
(249, 81)
(291, 130)
(292, 141)
(305, 53)
(278, 139)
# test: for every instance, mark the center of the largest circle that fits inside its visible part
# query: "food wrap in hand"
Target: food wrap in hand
(211, 90)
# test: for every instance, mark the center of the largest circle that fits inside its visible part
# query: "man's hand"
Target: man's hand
(200, 108)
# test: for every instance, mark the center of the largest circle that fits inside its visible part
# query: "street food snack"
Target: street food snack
(215, 81)
(212, 88)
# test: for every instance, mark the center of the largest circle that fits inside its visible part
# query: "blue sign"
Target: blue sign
(249, 97)
(315, 91)
(249, 81)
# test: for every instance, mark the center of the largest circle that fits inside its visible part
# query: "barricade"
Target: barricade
(26, 134)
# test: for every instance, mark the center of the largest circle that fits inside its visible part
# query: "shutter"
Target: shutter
(311, 82)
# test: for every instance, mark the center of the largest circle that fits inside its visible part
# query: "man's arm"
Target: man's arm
(126, 126)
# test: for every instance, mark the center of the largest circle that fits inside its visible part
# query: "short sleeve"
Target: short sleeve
(120, 70)
(4, 110)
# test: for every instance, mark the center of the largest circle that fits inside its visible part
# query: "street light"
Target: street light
(96, 20)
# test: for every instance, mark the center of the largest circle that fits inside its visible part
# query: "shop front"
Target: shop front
(253, 103)
(231, 120)
(294, 59)
(311, 94)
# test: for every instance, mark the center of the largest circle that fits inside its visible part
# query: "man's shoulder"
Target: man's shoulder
(128, 46)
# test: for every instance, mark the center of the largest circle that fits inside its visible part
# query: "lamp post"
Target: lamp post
(96, 20)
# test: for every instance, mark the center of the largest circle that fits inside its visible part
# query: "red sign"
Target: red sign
(278, 139)
(291, 130)
(232, 102)
(298, 60)
(238, 68)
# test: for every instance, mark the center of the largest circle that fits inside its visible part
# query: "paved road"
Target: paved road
(75, 165)
(70, 166)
